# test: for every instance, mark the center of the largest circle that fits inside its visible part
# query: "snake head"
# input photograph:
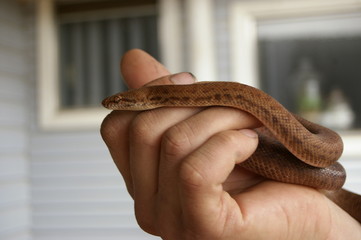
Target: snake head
(119, 102)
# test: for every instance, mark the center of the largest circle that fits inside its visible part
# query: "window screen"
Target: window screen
(333, 65)
(91, 46)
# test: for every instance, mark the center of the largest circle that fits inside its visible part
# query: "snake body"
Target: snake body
(291, 149)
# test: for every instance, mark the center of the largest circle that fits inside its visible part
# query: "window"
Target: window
(91, 42)
(305, 54)
(321, 74)
(68, 79)
(79, 45)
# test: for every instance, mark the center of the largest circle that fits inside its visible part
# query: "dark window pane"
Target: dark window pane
(90, 52)
(332, 67)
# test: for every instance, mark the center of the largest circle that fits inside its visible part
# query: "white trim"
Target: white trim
(200, 38)
(243, 46)
(243, 36)
(351, 142)
(243, 27)
(170, 34)
(51, 116)
(333, 26)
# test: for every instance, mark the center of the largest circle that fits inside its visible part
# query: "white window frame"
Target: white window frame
(198, 40)
(199, 44)
(243, 39)
(50, 114)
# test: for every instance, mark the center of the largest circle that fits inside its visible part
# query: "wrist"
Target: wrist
(342, 225)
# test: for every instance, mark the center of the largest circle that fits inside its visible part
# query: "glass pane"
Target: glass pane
(316, 77)
(90, 52)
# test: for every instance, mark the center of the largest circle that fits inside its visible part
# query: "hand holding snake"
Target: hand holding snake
(246, 205)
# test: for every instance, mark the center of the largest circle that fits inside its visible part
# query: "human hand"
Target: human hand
(179, 165)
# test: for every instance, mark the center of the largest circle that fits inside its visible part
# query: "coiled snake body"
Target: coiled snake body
(291, 149)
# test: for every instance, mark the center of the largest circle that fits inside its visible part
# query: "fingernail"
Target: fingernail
(249, 133)
(183, 78)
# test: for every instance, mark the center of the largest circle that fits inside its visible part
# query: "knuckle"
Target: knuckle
(141, 126)
(176, 141)
(107, 123)
(227, 138)
(111, 126)
(145, 220)
(233, 141)
(190, 176)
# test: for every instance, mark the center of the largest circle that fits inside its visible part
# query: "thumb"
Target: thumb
(139, 68)
(178, 79)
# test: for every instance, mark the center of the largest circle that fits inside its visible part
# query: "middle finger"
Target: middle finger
(181, 140)
(146, 132)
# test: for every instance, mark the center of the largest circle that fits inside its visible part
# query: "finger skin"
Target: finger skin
(115, 134)
(139, 68)
(115, 127)
(205, 204)
(189, 198)
(125, 134)
(156, 184)
(144, 159)
(177, 143)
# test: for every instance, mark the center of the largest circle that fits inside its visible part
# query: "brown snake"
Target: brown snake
(291, 149)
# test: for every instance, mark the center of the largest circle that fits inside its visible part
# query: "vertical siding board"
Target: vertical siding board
(14, 187)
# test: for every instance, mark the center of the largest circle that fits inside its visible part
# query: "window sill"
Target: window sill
(75, 119)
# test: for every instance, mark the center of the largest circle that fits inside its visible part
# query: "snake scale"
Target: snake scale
(291, 149)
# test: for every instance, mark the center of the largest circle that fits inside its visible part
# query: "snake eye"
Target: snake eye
(117, 99)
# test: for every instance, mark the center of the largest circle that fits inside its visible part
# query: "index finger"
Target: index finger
(207, 208)
(138, 68)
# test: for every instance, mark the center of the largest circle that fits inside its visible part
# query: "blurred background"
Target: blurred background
(60, 58)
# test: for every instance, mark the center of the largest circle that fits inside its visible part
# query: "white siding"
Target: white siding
(223, 52)
(14, 191)
(77, 192)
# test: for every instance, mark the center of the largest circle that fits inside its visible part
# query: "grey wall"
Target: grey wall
(53, 184)
(14, 116)
(64, 185)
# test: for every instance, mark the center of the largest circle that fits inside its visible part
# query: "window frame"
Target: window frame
(243, 40)
(186, 35)
(50, 114)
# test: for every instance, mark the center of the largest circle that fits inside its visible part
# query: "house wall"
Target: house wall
(53, 184)
(76, 191)
(350, 160)
(14, 115)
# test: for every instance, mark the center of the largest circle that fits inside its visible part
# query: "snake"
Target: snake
(291, 149)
